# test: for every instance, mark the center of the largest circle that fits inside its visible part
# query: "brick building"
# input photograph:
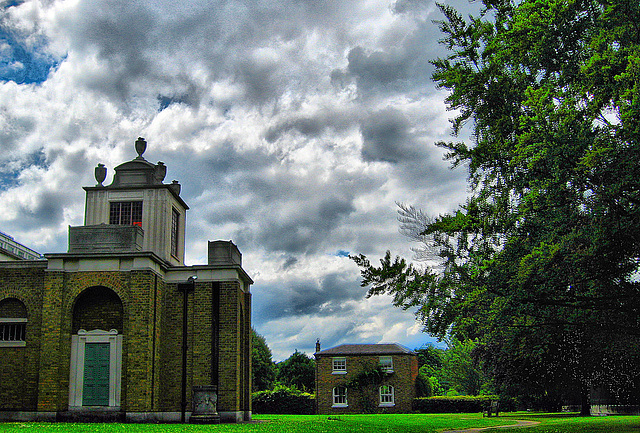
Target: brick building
(365, 378)
(12, 250)
(98, 331)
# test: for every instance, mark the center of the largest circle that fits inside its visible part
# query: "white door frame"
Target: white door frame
(76, 378)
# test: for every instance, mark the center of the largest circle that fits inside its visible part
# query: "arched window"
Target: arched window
(387, 396)
(339, 396)
(97, 308)
(13, 323)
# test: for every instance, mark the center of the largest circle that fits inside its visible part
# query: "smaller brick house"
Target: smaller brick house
(348, 378)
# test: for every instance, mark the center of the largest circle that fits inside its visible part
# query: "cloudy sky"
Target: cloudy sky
(294, 127)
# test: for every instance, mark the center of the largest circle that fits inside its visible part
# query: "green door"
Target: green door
(95, 391)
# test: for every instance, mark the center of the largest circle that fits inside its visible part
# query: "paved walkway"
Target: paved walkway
(519, 423)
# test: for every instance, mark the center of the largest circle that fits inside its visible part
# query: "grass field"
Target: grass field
(411, 423)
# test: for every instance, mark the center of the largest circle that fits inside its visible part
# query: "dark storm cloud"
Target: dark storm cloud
(386, 137)
(312, 126)
(261, 80)
(222, 168)
(271, 207)
(378, 67)
(148, 47)
(322, 298)
(47, 212)
(119, 33)
(406, 6)
(303, 230)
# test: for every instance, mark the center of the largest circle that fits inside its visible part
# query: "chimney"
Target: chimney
(317, 345)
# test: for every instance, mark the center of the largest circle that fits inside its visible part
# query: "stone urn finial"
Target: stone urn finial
(160, 172)
(175, 187)
(141, 146)
(100, 173)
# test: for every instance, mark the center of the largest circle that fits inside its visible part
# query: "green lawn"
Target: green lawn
(412, 423)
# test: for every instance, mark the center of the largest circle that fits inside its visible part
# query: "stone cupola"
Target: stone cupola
(136, 212)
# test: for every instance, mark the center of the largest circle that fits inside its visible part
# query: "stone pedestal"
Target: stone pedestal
(205, 400)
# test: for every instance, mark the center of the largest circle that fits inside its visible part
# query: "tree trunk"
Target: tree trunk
(584, 400)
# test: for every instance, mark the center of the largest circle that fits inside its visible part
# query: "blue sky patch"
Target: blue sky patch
(165, 101)
(21, 64)
(9, 177)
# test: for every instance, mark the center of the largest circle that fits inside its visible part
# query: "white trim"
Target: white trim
(343, 362)
(386, 363)
(335, 394)
(20, 343)
(391, 393)
(14, 343)
(76, 377)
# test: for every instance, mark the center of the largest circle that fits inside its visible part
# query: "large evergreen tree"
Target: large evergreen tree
(541, 262)
(263, 369)
(298, 370)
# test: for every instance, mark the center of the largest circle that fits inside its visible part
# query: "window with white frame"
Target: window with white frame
(339, 396)
(339, 365)
(386, 364)
(386, 396)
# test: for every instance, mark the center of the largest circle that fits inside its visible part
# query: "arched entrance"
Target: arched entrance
(96, 350)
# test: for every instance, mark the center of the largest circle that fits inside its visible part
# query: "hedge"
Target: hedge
(457, 404)
(283, 400)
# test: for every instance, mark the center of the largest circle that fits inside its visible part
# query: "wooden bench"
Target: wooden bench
(492, 409)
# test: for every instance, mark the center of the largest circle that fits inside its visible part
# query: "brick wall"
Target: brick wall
(230, 373)
(19, 372)
(148, 312)
(170, 352)
(233, 363)
(405, 371)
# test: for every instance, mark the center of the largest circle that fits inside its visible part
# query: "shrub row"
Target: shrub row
(457, 404)
(283, 400)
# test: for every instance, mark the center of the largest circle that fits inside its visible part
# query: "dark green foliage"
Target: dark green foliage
(458, 404)
(429, 355)
(456, 369)
(367, 382)
(461, 368)
(424, 387)
(367, 376)
(299, 371)
(263, 369)
(540, 264)
(428, 382)
(283, 400)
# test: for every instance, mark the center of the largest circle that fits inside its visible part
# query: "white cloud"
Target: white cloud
(293, 127)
